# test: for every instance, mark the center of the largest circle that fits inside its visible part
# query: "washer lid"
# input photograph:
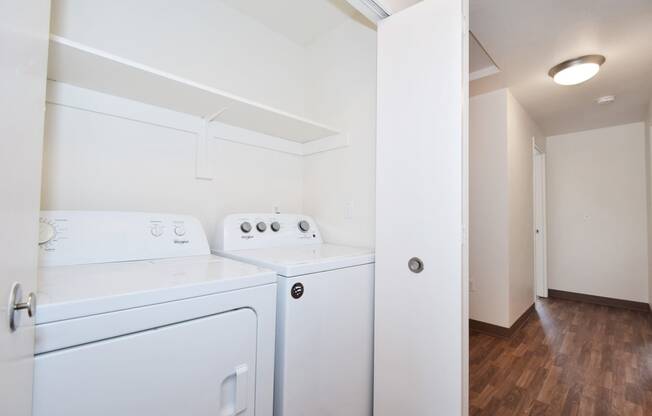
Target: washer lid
(67, 292)
(296, 261)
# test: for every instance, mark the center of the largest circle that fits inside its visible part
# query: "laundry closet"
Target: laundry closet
(213, 107)
(181, 138)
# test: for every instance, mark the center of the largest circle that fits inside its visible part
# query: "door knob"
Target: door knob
(16, 304)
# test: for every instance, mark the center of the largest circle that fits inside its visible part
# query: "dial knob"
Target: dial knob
(45, 232)
(245, 227)
(157, 230)
(180, 230)
(304, 226)
(275, 226)
(261, 226)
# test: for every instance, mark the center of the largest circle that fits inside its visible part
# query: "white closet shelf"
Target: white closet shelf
(86, 67)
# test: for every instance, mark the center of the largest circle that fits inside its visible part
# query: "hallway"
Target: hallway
(570, 358)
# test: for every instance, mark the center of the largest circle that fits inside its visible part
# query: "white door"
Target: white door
(540, 269)
(24, 27)
(420, 315)
(202, 367)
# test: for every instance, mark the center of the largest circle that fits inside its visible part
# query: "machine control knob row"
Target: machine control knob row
(304, 226)
(246, 227)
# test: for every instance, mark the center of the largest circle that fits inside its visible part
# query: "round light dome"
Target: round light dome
(578, 70)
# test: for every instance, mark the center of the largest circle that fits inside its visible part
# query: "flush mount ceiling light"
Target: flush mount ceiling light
(576, 71)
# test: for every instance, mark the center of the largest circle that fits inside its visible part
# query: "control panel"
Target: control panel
(81, 237)
(249, 231)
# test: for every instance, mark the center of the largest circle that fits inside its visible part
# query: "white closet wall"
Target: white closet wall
(201, 40)
(99, 161)
(95, 161)
(339, 186)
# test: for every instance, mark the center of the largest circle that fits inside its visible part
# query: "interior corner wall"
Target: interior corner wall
(596, 212)
(488, 209)
(339, 185)
(501, 243)
(521, 130)
(98, 162)
(95, 161)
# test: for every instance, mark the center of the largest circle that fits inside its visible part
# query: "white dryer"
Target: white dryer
(137, 318)
(324, 341)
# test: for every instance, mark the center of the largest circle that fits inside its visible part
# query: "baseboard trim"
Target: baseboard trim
(599, 300)
(500, 331)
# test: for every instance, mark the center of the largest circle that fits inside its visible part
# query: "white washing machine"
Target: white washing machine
(137, 318)
(324, 341)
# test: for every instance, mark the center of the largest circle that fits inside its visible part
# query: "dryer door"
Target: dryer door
(200, 367)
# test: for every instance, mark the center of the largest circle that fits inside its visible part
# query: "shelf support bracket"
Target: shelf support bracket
(203, 167)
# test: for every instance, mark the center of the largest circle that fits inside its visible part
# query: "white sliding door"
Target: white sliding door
(24, 28)
(420, 316)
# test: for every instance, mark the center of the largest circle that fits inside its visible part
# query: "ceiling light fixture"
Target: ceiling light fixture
(576, 71)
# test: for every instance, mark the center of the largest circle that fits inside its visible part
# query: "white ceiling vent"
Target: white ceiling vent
(373, 10)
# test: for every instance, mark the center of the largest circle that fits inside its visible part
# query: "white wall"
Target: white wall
(521, 129)
(597, 220)
(100, 162)
(97, 162)
(202, 40)
(339, 186)
(488, 209)
(501, 257)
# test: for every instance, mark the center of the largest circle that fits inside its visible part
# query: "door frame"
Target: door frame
(539, 189)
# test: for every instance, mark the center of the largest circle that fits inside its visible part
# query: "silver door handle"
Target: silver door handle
(16, 304)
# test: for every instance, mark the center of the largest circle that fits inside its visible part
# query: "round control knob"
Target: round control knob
(45, 232)
(157, 230)
(261, 226)
(245, 227)
(179, 230)
(304, 226)
(275, 226)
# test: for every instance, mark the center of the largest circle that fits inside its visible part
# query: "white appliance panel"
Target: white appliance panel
(241, 232)
(324, 354)
(204, 367)
(80, 237)
(67, 292)
(299, 260)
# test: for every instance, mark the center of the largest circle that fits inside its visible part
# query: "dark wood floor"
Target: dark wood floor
(569, 358)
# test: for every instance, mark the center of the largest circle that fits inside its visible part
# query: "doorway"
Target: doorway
(539, 194)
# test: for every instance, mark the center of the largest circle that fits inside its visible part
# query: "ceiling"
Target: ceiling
(307, 20)
(480, 63)
(526, 38)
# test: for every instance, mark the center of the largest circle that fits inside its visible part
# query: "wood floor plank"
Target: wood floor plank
(570, 359)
